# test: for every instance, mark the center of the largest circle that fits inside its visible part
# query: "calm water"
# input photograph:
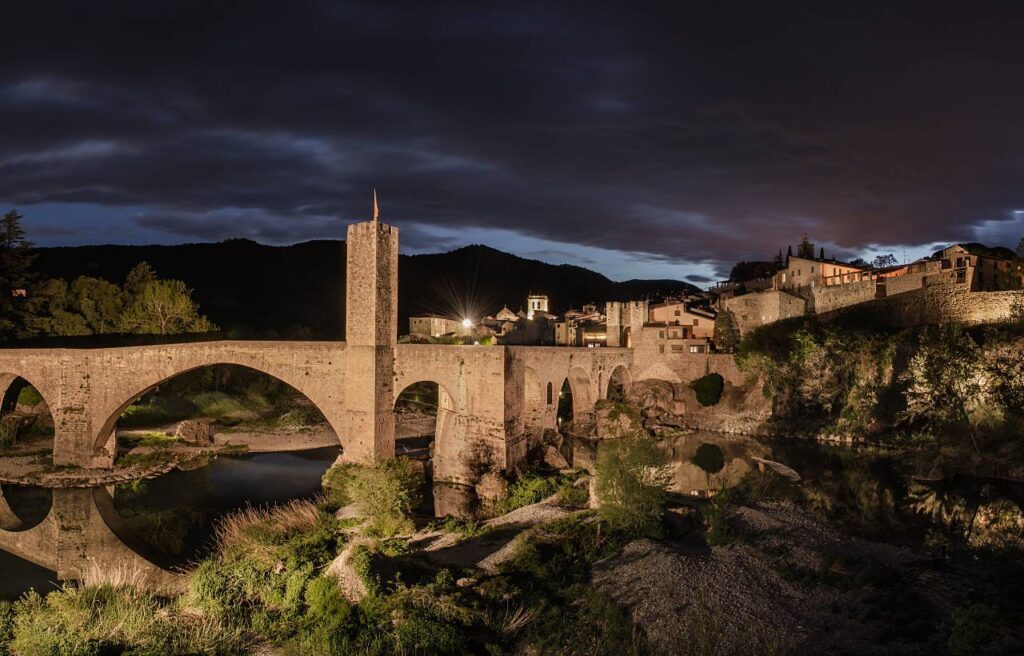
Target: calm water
(166, 522)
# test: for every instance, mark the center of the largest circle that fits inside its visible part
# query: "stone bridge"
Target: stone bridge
(490, 398)
(81, 534)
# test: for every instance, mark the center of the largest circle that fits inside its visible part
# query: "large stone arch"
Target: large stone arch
(447, 415)
(9, 389)
(583, 396)
(619, 378)
(109, 409)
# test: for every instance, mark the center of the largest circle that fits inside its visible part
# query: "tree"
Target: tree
(789, 253)
(138, 277)
(883, 261)
(632, 484)
(778, 263)
(163, 307)
(821, 253)
(727, 333)
(859, 261)
(99, 302)
(16, 259)
(805, 248)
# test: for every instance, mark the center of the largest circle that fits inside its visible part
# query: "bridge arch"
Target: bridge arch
(619, 383)
(583, 397)
(40, 419)
(105, 438)
(445, 418)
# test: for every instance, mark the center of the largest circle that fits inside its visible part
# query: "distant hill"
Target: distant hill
(273, 291)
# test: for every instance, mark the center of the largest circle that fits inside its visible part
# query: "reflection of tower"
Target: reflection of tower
(371, 319)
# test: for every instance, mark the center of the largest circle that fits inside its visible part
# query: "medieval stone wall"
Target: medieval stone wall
(948, 303)
(760, 308)
(834, 297)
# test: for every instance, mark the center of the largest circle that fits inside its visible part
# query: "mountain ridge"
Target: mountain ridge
(259, 290)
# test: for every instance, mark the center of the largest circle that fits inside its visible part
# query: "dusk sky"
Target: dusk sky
(637, 139)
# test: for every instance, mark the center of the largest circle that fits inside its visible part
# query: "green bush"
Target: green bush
(29, 396)
(385, 492)
(709, 389)
(526, 490)
(632, 480)
(218, 405)
(265, 562)
(973, 628)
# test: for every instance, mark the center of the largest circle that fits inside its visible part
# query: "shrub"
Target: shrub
(265, 561)
(29, 396)
(386, 492)
(632, 485)
(218, 404)
(574, 496)
(6, 626)
(973, 628)
(9, 426)
(708, 389)
(526, 490)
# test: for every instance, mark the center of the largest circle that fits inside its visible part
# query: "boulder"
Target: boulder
(553, 458)
(552, 437)
(194, 431)
(491, 487)
(616, 419)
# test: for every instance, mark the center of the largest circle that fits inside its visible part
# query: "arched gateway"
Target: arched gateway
(495, 396)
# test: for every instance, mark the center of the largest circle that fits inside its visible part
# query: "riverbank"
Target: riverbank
(157, 453)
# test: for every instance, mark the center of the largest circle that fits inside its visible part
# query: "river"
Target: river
(163, 524)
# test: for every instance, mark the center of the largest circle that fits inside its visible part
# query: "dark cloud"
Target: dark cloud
(701, 134)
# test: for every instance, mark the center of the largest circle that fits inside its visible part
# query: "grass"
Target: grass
(147, 438)
(158, 456)
(103, 619)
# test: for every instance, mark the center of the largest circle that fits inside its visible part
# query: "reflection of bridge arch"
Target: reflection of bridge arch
(106, 437)
(11, 520)
(76, 537)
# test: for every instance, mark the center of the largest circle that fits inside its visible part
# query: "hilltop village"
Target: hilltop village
(803, 284)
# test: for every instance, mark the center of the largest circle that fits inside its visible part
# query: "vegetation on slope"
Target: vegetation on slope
(950, 385)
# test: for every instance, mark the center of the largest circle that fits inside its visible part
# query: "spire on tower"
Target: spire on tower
(376, 208)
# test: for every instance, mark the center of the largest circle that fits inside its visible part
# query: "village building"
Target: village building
(701, 320)
(808, 286)
(433, 325)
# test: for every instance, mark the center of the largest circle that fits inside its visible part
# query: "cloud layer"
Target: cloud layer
(676, 136)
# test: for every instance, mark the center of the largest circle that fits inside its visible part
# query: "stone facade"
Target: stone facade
(758, 309)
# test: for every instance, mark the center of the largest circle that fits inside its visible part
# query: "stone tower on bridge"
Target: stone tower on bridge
(371, 320)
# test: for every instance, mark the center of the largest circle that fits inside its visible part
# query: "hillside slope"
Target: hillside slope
(273, 291)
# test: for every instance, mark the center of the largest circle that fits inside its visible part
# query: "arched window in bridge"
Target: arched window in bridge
(550, 395)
